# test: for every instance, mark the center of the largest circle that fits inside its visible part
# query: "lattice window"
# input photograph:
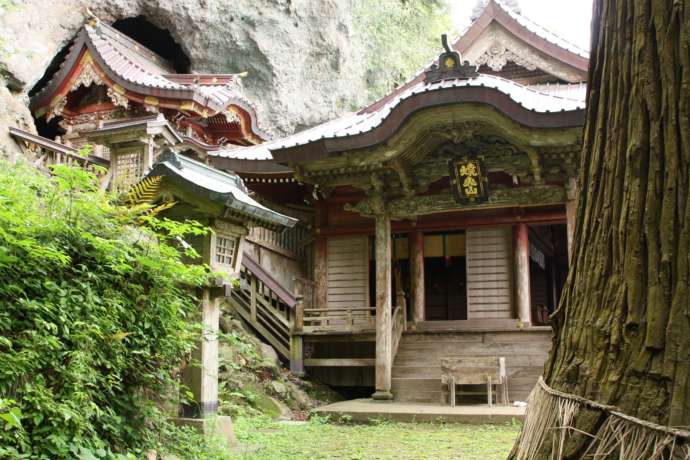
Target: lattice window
(128, 168)
(226, 247)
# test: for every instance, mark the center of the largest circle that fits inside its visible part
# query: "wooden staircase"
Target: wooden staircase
(416, 373)
(265, 305)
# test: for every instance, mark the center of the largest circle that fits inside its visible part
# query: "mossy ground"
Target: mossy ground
(254, 384)
(263, 439)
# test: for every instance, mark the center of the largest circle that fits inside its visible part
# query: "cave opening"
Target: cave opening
(49, 129)
(158, 40)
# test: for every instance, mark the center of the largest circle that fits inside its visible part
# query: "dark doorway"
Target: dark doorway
(445, 287)
(445, 276)
(548, 269)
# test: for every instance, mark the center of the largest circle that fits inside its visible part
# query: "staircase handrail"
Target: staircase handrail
(56, 147)
(283, 294)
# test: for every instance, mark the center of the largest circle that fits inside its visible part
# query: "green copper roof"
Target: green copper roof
(221, 187)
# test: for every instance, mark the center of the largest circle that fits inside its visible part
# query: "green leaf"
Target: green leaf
(12, 418)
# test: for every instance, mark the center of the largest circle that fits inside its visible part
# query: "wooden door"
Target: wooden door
(489, 273)
(347, 261)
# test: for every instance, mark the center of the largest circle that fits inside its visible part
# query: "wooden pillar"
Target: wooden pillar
(383, 308)
(253, 286)
(571, 212)
(296, 339)
(320, 273)
(524, 302)
(416, 245)
(201, 375)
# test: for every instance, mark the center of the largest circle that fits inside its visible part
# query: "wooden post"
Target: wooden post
(320, 273)
(296, 340)
(201, 375)
(451, 385)
(252, 296)
(383, 308)
(416, 244)
(522, 273)
(571, 212)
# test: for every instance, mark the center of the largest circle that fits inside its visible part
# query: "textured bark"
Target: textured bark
(623, 326)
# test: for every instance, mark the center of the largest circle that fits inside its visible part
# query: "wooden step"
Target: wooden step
(415, 384)
(340, 362)
(417, 371)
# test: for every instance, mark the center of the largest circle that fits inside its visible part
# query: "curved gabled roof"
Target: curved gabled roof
(522, 28)
(521, 103)
(140, 74)
(219, 186)
(529, 26)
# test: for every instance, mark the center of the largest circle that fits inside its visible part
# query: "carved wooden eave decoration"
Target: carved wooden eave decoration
(103, 56)
(427, 130)
(413, 207)
(500, 35)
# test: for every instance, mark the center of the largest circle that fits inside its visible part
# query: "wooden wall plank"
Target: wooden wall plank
(348, 272)
(489, 273)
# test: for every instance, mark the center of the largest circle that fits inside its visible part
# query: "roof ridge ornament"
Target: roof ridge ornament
(93, 20)
(449, 66)
(171, 157)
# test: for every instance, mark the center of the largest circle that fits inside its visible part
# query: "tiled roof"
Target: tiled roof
(361, 122)
(522, 21)
(224, 187)
(140, 70)
(543, 32)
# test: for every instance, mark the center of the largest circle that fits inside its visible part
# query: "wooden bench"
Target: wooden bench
(489, 370)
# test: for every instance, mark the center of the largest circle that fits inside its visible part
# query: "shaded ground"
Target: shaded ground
(262, 439)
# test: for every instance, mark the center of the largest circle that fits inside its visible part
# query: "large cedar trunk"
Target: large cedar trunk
(623, 326)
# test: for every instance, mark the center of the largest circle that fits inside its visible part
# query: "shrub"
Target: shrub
(93, 319)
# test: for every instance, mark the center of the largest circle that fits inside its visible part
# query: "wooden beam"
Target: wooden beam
(407, 207)
(455, 220)
(340, 362)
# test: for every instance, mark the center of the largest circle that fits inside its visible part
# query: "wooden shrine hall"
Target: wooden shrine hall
(441, 215)
(432, 225)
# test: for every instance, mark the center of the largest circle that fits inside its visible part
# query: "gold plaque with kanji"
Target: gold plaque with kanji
(470, 184)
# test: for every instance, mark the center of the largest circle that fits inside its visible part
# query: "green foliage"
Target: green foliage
(94, 320)
(398, 37)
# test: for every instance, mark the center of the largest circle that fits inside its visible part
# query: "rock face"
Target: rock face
(301, 62)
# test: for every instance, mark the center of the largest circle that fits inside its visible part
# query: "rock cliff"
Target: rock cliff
(302, 65)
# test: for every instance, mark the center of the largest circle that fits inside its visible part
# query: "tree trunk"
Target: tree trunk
(623, 326)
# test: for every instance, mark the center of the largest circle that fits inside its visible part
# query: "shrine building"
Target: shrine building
(441, 216)
(434, 223)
